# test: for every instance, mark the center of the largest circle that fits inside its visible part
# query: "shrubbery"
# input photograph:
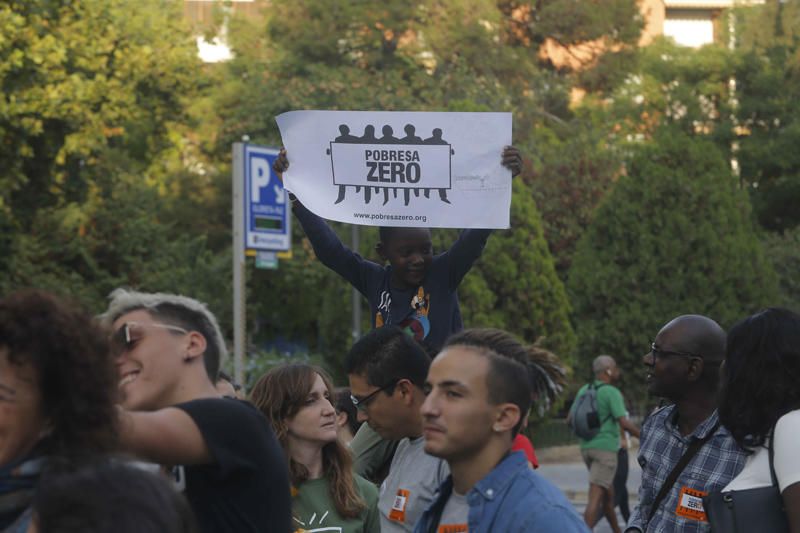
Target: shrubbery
(674, 237)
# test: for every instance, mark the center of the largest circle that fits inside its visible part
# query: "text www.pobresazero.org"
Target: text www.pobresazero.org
(381, 216)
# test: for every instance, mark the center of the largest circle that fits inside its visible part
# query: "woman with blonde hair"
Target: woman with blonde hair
(296, 399)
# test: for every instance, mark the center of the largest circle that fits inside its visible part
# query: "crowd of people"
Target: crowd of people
(125, 422)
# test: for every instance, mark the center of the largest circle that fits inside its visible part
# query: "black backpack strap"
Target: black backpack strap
(610, 415)
(771, 452)
(436, 511)
(690, 452)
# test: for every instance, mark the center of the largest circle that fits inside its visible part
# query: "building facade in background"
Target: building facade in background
(691, 23)
(205, 14)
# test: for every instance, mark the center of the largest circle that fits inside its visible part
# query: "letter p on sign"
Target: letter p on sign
(259, 177)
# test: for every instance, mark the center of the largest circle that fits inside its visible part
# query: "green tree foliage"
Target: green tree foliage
(784, 252)
(571, 173)
(393, 55)
(743, 98)
(768, 88)
(534, 305)
(126, 239)
(673, 237)
(95, 149)
(305, 303)
(598, 38)
(387, 55)
(678, 87)
(80, 80)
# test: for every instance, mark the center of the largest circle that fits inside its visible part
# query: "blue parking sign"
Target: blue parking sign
(267, 220)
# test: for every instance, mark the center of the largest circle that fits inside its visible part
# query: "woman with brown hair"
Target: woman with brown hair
(296, 399)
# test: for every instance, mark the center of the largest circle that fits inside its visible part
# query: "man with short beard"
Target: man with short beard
(479, 392)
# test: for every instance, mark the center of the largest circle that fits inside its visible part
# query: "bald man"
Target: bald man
(683, 367)
(600, 452)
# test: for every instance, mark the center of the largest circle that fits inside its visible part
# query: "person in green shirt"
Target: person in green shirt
(326, 494)
(600, 452)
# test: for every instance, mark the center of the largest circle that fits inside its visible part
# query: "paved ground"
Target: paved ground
(573, 479)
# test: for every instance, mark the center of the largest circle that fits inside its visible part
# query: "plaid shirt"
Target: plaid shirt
(719, 460)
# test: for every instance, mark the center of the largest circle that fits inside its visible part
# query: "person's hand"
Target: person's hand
(512, 160)
(281, 164)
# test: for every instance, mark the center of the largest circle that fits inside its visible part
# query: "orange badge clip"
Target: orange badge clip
(453, 528)
(398, 512)
(690, 504)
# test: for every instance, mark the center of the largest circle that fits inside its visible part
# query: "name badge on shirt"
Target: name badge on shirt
(453, 528)
(398, 511)
(690, 504)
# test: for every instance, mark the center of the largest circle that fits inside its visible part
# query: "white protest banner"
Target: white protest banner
(384, 168)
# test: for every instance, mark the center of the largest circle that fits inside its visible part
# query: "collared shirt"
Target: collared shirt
(512, 498)
(717, 462)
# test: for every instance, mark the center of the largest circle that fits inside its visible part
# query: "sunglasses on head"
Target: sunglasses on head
(128, 333)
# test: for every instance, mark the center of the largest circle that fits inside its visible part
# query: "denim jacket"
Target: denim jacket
(511, 498)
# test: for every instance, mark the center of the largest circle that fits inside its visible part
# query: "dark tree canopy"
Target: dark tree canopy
(674, 237)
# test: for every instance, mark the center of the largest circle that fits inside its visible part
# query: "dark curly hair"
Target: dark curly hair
(108, 494)
(761, 381)
(77, 378)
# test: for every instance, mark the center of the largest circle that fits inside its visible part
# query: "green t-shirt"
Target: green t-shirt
(313, 509)
(610, 407)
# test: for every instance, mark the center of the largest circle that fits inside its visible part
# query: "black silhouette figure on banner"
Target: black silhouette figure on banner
(436, 138)
(411, 137)
(388, 136)
(345, 136)
(369, 136)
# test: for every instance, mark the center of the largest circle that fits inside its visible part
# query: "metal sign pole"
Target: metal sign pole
(239, 325)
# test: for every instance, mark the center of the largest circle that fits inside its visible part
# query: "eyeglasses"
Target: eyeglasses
(658, 352)
(130, 332)
(363, 403)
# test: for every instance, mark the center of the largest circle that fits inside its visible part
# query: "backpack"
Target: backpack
(584, 420)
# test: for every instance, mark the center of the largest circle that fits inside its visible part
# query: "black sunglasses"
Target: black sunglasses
(658, 352)
(362, 403)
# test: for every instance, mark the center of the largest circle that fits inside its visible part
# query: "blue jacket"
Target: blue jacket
(511, 498)
(429, 312)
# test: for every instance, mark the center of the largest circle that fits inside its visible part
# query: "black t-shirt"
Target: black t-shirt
(246, 488)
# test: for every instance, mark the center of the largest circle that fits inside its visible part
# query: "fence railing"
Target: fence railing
(551, 432)
(555, 432)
